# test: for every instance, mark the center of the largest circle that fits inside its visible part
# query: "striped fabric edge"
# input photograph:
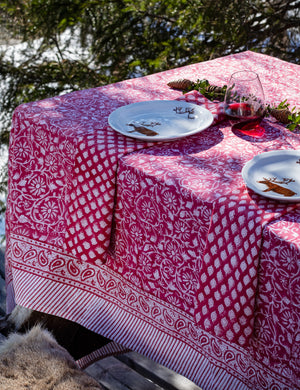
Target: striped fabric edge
(110, 349)
(166, 348)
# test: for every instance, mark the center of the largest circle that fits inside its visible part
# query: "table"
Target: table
(159, 246)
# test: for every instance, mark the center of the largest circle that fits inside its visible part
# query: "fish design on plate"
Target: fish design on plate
(274, 185)
(143, 128)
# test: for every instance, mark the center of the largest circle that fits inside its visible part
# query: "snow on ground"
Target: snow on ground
(17, 52)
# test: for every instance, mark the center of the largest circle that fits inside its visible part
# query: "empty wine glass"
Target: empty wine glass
(245, 100)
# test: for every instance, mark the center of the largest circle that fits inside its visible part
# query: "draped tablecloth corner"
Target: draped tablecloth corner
(159, 246)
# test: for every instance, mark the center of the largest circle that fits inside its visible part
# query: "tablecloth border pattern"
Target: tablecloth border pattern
(38, 273)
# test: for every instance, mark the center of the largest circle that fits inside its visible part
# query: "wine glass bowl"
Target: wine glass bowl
(245, 100)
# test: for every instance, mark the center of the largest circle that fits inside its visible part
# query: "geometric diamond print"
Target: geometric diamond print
(91, 201)
(228, 274)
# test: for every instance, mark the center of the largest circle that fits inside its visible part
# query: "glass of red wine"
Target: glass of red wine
(244, 100)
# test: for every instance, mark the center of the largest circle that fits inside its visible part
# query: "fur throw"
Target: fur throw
(76, 339)
(35, 361)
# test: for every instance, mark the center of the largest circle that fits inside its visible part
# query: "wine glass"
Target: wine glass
(245, 100)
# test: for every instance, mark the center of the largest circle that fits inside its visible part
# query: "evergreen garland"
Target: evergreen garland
(281, 112)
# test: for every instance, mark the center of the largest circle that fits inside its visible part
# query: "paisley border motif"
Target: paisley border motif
(122, 297)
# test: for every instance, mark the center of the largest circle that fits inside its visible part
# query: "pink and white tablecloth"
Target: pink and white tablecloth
(159, 246)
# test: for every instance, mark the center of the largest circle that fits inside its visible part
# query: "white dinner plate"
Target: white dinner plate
(160, 120)
(275, 175)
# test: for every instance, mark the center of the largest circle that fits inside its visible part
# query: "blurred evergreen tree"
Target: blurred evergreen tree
(122, 39)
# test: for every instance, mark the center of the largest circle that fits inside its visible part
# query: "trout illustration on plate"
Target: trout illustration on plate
(272, 185)
(143, 128)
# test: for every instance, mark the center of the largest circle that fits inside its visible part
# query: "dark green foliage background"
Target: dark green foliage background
(130, 38)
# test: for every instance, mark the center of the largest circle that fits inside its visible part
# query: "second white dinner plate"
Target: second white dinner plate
(160, 120)
(275, 174)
